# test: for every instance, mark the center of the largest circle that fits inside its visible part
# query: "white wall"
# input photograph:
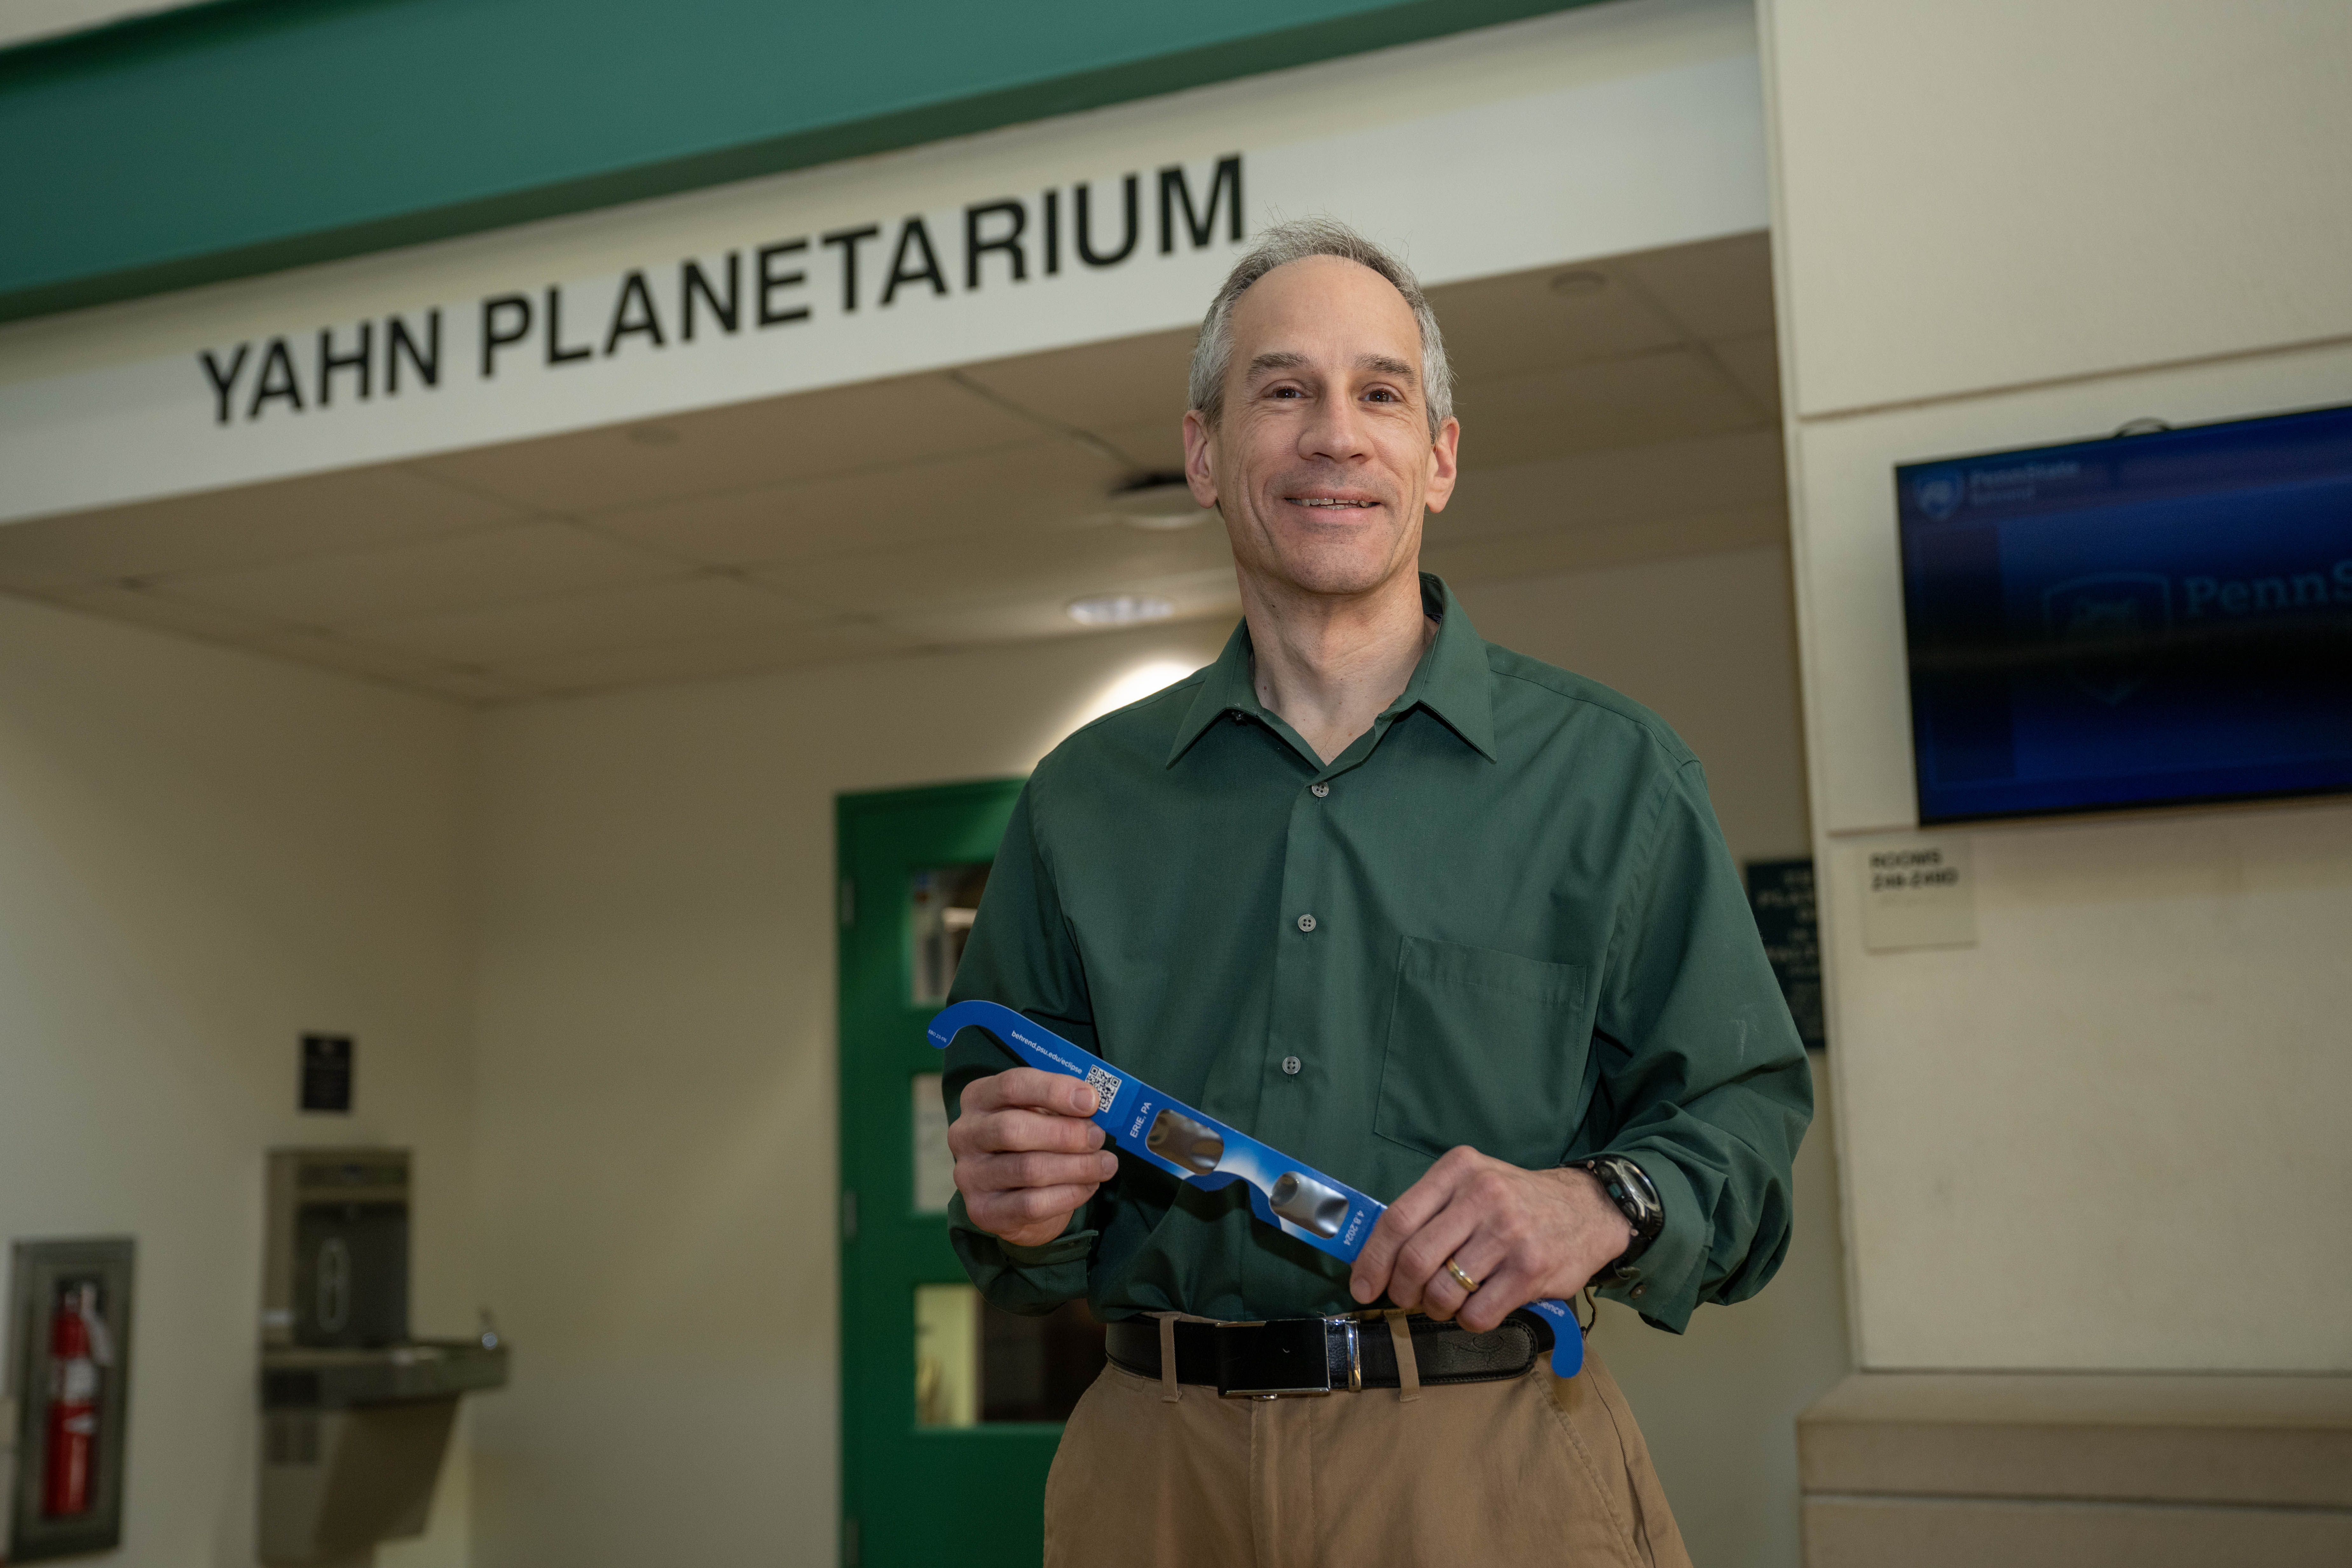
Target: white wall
(202, 856)
(2005, 224)
(659, 1167)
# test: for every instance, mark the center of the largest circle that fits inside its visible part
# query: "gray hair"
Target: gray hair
(1213, 352)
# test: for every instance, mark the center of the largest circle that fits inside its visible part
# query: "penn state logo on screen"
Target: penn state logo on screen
(1939, 494)
(2108, 629)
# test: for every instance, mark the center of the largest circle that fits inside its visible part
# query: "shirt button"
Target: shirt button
(1639, 1290)
(1306, 922)
(1318, 790)
(1290, 1065)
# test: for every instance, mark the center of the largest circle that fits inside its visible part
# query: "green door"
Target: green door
(950, 1408)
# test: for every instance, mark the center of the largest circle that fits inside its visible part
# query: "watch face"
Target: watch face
(1629, 1188)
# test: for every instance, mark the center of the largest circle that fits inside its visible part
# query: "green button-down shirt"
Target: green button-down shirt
(1503, 917)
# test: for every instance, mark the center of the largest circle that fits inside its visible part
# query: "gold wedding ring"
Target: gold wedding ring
(1469, 1286)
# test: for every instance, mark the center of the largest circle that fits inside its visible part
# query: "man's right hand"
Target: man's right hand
(1026, 1154)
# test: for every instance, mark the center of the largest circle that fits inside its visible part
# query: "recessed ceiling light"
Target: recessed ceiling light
(1158, 501)
(1120, 609)
(1578, 283)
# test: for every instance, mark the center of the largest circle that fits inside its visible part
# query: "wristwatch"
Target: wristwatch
(1635, 1198)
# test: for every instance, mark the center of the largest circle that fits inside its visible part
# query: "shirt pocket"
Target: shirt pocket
(1486, 1048)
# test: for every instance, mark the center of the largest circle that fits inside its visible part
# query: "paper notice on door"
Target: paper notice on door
(934, 1162)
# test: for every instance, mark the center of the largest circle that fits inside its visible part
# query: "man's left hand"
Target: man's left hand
(1523, 1235)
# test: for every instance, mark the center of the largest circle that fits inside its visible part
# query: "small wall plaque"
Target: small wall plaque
(1781, 896)
(327, 1073)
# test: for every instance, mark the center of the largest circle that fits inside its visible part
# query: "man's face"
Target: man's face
(1322, 463)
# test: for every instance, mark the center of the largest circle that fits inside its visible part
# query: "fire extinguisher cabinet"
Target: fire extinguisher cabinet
(69, 1375)
(355, 1413)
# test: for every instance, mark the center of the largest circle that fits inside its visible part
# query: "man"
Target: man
(1454, 926)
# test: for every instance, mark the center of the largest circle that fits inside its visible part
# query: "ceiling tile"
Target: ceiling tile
(677, 610)
(1615, 485)
(476, 690)
(1039, 484)
(1096, 386)
(335, 652)
(1610, 402)
(323, 512)
(702, 658)
(525, 560)
(1721, 289)
(1057, 565)
(1754, 362)
(34, 574)
(231, 628)
(1545, 553)
(209, 622)
(408, 673)
(1498, 327)
(1152, 445)
(741, 447)
(1194, 594)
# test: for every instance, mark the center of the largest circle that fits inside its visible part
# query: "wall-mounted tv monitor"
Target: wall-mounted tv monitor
(2144, 620)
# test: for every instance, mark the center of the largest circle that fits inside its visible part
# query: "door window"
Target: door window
(944, 900)
(976, 1363)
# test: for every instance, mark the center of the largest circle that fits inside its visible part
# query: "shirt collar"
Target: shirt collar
(1452, 681)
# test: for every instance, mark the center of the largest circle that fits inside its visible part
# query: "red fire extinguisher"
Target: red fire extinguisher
(78, 1346)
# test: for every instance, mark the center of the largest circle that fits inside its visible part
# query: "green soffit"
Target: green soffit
(244, 136)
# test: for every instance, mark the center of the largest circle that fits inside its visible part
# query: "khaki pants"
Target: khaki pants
(1530, 1470)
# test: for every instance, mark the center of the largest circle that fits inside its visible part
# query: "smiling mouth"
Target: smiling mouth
(1332, 503)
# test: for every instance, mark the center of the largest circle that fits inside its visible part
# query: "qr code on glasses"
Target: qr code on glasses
(1106, 1086)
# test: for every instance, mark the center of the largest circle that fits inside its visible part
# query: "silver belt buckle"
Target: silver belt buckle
(1284, 1358)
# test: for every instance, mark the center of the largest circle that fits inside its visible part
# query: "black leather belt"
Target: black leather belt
(1291, 1356)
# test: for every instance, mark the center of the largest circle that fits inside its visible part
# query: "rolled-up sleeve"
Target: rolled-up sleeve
(1019, 954)
(1703, 1078)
